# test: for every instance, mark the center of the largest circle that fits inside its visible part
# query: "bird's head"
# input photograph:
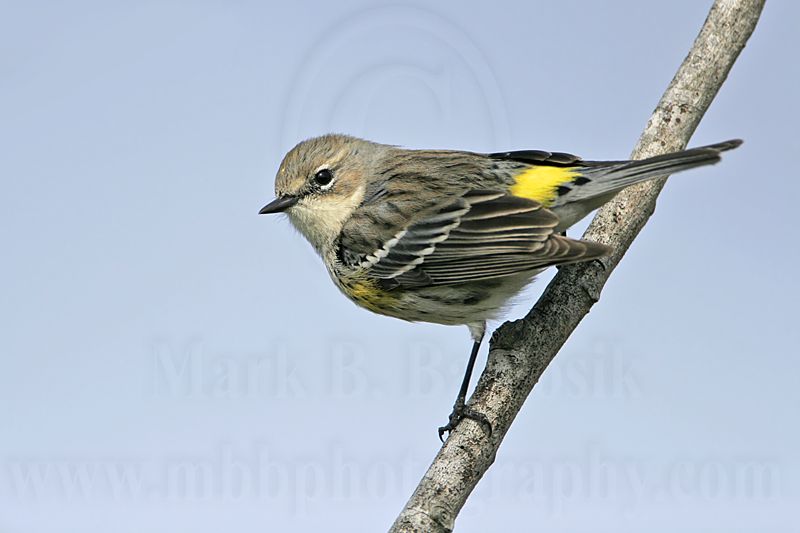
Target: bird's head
(320, 183)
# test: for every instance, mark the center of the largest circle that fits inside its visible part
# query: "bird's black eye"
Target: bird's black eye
(323, 177)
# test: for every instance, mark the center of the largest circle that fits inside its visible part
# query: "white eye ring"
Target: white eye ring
(324, 179)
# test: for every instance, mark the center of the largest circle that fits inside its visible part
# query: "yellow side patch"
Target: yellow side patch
(541, 183)
(368, 295)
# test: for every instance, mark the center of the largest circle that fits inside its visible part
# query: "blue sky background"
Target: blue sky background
(173, 362)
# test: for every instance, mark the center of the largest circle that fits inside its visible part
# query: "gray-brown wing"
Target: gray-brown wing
(480, 235)
(539, 157)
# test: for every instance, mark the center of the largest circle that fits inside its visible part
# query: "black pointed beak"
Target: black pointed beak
(278, 205)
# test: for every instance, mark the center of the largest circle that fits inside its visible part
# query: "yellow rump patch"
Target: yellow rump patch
(541, 183)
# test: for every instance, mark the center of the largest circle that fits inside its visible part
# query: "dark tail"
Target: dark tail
(611, 176)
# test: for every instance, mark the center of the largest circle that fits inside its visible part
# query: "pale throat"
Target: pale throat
(320, 220)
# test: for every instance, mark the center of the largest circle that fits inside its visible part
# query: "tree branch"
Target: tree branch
(521, 350)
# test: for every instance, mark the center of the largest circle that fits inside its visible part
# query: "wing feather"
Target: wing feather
(479, 235)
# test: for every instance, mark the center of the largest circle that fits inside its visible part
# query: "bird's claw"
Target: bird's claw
(460, 412)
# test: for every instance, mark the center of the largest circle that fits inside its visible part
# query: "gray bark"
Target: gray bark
(521, 350)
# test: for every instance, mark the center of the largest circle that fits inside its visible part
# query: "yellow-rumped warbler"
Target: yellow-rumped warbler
(447, 236)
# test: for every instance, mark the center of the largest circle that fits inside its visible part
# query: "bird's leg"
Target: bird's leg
(460, 409)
